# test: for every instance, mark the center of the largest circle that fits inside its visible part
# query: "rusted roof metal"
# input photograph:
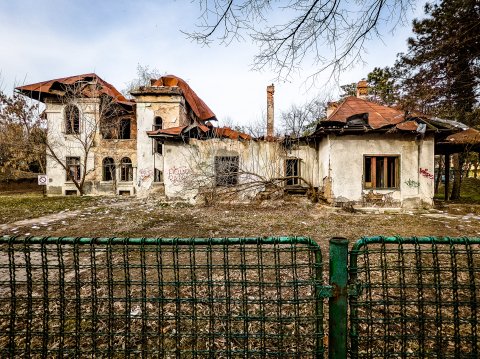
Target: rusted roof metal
(378, 116)
(205, 132)
(407, 126)
(201, 110)
(41, 90)
(466, 137)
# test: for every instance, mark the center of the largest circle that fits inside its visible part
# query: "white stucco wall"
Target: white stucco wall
(345, 156)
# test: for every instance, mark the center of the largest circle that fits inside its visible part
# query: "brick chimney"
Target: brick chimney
(362, 89)
(270, 92)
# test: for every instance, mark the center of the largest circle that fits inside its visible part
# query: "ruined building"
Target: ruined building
(164, 142)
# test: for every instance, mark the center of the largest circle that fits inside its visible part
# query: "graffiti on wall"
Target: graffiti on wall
(145, 174)
(177, 175)
(425, 173)
(412, 184)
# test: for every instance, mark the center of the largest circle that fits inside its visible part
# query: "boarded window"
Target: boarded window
(381, 171)
(108, 169)
(73, 168)
(126, 170)
(226, 170)
(72, 120)
(292, 171)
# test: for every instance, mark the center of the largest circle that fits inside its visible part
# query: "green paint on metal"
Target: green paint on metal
(337, 323)
(419, 297)
(161, 297)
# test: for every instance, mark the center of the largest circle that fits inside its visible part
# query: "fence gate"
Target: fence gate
(183, 298)
(416, 297)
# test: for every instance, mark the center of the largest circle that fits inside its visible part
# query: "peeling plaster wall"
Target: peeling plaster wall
(345, 157)
(65, 145)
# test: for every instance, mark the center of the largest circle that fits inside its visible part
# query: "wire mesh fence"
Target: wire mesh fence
(169, 298)
(419, 298)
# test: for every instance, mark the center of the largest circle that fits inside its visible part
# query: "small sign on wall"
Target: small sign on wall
(42, 180)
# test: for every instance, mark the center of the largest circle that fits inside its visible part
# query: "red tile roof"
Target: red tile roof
(40, 90)
(199, 107)
(466, 137)
(378, 115)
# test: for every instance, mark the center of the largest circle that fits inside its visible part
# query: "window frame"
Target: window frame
(123, 125)
(126, 170)
(73, 168)
(156, 125)
(295, 180)
(113, 169)
(230, 169)
(70, 128)
(385, 174)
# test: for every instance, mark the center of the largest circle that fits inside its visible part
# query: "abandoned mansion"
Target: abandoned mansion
(164, 142)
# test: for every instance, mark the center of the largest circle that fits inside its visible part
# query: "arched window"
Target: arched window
(108, 169)
(158, 123)
(72, 120)
(126, 170)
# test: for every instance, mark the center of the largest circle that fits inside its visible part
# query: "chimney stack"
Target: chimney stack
(270, 92)
(362, 89)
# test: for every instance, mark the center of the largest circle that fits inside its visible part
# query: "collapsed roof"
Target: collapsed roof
(88, 85)
(358, 115)
(199, 131)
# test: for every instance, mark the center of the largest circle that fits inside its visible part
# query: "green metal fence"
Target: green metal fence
(239, 297)
(418, 297)
(183, 298)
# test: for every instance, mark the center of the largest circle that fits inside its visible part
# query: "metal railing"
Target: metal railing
(157, 297)
(416, 297)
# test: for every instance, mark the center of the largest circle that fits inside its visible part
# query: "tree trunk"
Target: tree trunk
(458, 161)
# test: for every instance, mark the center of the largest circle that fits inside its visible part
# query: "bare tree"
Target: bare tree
(144, 75)
(335, 32)
(300, 120)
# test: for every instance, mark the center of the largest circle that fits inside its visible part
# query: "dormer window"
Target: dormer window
(158, 123)
(72, 120)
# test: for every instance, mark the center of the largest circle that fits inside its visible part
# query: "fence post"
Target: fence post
(337, 305)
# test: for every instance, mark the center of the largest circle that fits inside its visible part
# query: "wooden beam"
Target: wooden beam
(447, 176)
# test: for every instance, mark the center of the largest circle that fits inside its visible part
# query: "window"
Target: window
(226, 170)
(108, 169)
(124, 130)
(158, 176)
(126, 170)
(158, 146)
(292, 171)
(158, 123)
(72, 120)
(73, 168)
(381, 171)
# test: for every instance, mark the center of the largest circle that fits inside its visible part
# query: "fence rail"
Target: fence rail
(419, 297)
(113, 297)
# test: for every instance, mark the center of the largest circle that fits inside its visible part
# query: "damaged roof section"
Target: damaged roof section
(355, 115)
(199, 131)
(88, 85)
(199, 108)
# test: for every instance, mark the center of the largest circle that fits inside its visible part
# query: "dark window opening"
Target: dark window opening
(158, 175)
(158, 123)
(159, 146)
(73, 168)
(124, 131)
(126, 170)
(71, 192)
(381, 171)
(72, 120)
(292, 171)
(124, 193)
(108, 169)
(226, 170)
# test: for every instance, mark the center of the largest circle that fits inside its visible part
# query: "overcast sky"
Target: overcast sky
(43, 40)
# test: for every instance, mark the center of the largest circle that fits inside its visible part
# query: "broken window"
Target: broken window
(158, 146)
(126, 170)
(158, 175)
(226, 170)
(73, 168)
(158, 123)
(381, 171)
(72, 120)
(108, 169)
(124, 130)
(292, 171)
